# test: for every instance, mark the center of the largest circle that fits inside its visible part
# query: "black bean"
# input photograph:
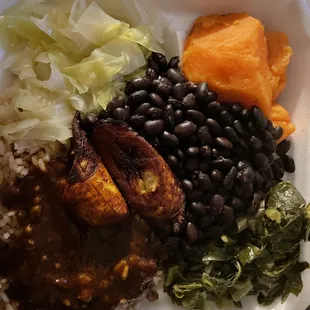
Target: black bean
(168, 117)
(192, 164)
(258, 179)
(172, 161)
(269, 147)
(157, 101)
(169, 139)
(230, 134)
(239, 190)
(220, 152)
(229, 179)
(226, 119)
(161, 60)
(266, 135)
(242, 164)
(240, 129)
(236, 109)
(278, 133)
(216, 204)
(193, 151)
(191, 141)
(270, 127)
(214, 127)
(223, 143)
(283, 147)
(259, 117)
(244, 115)
(204, 166)
(121, 114)
(255, 143)
(117, 102)
(138, 97)
(216, 176)
(154, 113)
(288, 163)
(206, 221)
(174, 62)
(212, 96)
(140, 83)
(227, 216)
(251, 126)
(91, 118)
(180, 154)
(269, 173)
(137, 121)
(189, 101)
(176, 103)
(185, 129)
(151, 73)
(214, 108)
(196, 117)
(195, 195)
(179, 91)
(166, 81)
(190, 87)
(254, 204)
(246, 175)
(143, 108)
(198, 208)
(153, 65)
(154, 127)
(202, 93)
(163, 89)
(271, 158)
(204, 135)
(248, 191)
(277, 170)
(205, 151)
(237, 203)
(204, 181)
(178, 116)
(187, 186)
(175, 76)
(191, 233)
(104, 114)
(223, 164)
(261, 161)
(215, 231)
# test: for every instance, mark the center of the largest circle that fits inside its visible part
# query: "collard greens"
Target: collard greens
(262, 260)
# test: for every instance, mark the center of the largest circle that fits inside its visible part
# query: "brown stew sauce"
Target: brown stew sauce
(60, 263)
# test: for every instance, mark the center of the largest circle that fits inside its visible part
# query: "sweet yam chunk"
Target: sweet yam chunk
(280, 117)
(279, 56)
(230, 53)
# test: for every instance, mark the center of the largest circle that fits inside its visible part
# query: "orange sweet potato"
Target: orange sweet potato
(230, 53)
(279, 56)
(280, 117)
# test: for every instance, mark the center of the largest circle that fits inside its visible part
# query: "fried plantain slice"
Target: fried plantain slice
(141, 174)
(90, 191)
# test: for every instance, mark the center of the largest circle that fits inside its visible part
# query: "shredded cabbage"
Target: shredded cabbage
(66, 55)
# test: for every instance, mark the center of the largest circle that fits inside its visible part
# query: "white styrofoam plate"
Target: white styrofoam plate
(290, 16)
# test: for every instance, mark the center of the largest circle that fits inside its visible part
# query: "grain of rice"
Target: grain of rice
(25, 171)
(6, 235)
(46, 157)
(19, 161)
(5, 159)
(2, 148)
(42, 165)
(19, 169)
(7, 219)
(2, 223)
(34, 160)
(11, 213)
(4, 297)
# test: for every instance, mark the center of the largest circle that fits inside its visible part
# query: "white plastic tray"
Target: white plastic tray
(290, 16)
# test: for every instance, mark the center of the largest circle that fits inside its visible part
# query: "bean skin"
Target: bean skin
(157, 101)
(169, 139)
(289, 164)
(202, 92)
(283, 147)
(216, 204)
(175, 76)
(223, 143)
(196, 117)
(117, 102)
(174, 62)
(204, 135)
(191, 233)
(214, 127)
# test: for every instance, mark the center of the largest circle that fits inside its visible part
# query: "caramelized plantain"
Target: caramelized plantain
(141, 174)
(90, 192)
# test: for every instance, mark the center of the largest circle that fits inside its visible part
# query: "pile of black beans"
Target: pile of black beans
(225, 156)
